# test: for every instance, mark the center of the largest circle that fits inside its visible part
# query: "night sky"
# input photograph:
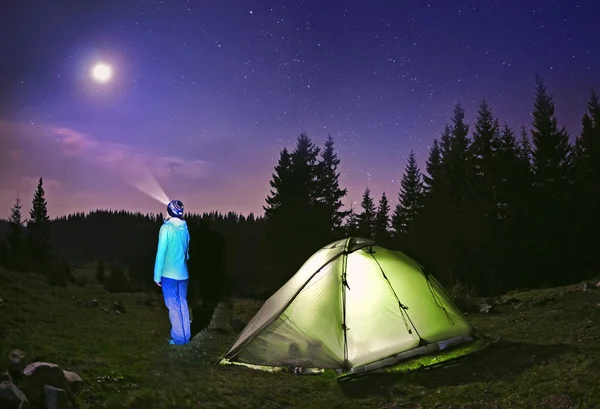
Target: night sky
(205, 94)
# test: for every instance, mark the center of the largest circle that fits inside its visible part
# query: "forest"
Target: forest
(493, 209)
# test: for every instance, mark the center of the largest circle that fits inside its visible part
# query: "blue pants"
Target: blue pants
(175, 293)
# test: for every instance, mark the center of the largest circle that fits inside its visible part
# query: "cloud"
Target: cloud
(142, 169)
(31, 182)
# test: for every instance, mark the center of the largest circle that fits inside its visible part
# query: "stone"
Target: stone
(16, 363)
(11, 397)
(56, 398)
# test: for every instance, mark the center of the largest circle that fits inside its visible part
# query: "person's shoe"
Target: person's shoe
(171, 342)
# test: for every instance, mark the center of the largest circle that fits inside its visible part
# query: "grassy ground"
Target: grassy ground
(548, 356)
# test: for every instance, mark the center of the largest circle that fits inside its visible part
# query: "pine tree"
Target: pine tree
(446, 141)
(410, 198)
(382, 221)
(39, 229)
(351, 223)
(587, 190)
(39, 206)
(366, 219)
(15, 251)
(457, 157)
(486, 131)
(525, 149)
(551, 148)
(279, 185)
(15, 213)
(432, 167)
(294, 226)
(330, 194)
(551, 165)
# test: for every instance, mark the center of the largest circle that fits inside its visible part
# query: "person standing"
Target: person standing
(171, 271)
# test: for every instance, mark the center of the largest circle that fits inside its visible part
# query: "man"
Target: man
(171, 272)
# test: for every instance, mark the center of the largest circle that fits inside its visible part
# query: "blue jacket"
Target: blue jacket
(173, 250)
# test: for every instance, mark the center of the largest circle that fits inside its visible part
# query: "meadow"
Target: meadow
(543, 352)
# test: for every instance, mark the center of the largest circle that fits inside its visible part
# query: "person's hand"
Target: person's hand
(158, 283)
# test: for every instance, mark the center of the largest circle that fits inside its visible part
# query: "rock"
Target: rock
(74, 379)
(5, 376)
(119, 308)
(56, 398)
(16, 363)
(31, 368)
(41, 374)
(11, 397)
(509, 300)
(104, 309)
(587, 286)
(237, 325)
(91, 304)
(542, 301)
(597, 286)
(486, 308)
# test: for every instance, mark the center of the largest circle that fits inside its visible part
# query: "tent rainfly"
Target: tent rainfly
(353, 306)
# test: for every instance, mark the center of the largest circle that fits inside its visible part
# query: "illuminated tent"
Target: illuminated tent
(353, 306)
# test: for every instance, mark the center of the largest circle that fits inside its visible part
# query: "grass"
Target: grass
(548, 356)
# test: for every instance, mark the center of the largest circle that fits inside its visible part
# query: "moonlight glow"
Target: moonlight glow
(102, 72)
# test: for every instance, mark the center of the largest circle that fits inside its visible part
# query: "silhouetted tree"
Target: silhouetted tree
(16, 237)
(293, 216)
(484, 145)
(587, 188)
(432, 166)
(351, 223)
(410, 196)
(330, 194)
(38, 227)
(366, 219)
(382, 221)
(551, 164)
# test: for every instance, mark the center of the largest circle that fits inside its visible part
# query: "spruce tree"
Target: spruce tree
(410, 198)
(454, 226)
(551, 148)
(587, 190)
(366, 219)
(15, 251)
(280, 190)
(525, 149)
(351, 223)
(293, 216)
(382, 221)
(484, 135)
(432, 166)
(551, 165)
(330, 194)
(39, 228)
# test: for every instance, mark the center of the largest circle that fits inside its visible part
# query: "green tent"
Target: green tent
(353, 306)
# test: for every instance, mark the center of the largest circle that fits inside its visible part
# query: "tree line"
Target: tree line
(495, 208)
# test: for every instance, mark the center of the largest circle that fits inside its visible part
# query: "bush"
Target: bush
(59, 276)
(100, 272)
(116, 282)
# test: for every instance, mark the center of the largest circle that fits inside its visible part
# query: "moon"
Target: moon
(102, 72)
